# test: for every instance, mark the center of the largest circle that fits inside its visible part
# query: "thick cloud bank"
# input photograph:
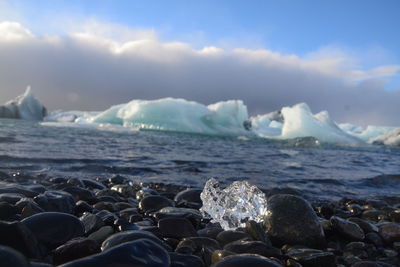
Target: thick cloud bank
(91, 71)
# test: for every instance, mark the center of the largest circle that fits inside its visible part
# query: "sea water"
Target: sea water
(316, 170)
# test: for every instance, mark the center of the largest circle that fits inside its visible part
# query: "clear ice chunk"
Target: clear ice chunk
(233, 206)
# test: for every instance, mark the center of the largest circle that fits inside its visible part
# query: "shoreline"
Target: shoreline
(81, 222)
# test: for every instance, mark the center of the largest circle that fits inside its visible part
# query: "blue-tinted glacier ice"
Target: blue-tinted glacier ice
(25, 107)
(222, 118)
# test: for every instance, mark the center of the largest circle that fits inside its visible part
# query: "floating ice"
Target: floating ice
(234, 205)
(25, 107)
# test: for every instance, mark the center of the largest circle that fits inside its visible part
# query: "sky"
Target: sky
(342, 56)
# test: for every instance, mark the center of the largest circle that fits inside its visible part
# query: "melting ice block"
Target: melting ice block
(234, 205)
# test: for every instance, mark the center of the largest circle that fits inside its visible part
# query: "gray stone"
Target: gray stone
(347, 229)
(291, 220)
(128, 236)
(11, 257)
(246, 260)
(141, 252)
(54, 228)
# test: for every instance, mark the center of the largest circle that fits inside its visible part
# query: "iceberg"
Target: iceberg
(391, 138)
(179, 115)
(225, 118)
(25, 107)
(233, 206)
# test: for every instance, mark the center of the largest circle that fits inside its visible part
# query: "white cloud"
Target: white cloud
(102, 64)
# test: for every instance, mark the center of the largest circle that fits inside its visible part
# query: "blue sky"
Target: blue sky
(354, 43)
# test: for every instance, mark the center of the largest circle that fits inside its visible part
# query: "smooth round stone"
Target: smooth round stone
(291, 220)
(365, 225)
(176, 227)
(57, 201)
(374, 238)
(31, 208)
(220, 254)
(91, 222)
(184, 260)
(229, 236)
(117, 179)
(367, 264)
(141, 252)
(54, 228)
(101, 234)
(81, 194)
(7, 210)
(197, 243)
(211, 232)
(128, 236)
(253, 247)
(390, 232)
(246, 260)
(189, 195)
(17, 236)
(107, 217)
(11, 198)
(75, 249)
(17, 189)
(155, 203)
(125, 190)
(312, 257)
(91, 184)
(145, 192)
(126, 213)
(105, 206)
(11, 257)
(348, 229)
(82, 206)
(124, 225)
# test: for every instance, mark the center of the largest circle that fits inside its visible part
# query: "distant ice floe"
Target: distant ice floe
(222, 118)
(25, 107)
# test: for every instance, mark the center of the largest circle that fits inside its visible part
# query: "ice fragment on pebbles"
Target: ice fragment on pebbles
(233, 206)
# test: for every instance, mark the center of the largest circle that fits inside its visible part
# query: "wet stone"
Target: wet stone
(11, 198)
(104, 206)
(117, 179)
(57, 201)
(102, 234)
(17, 189)
(11, 257)
(31, 208)
(390, 232)
(246, 260)
(365, 225)
(17, 236)
(144, 192)
(188, 195)
(176, 227)
(125, 190)
(91, 222)
(348, 229)
(183, 260)
(291, 220)
(128, 236)
(7, 210)
(367, 264)
(211, 232)
(122, 205)
(92, 184)
(124, 225)
(253, 247)
(79, 193)
(54, 228)
(82, 206)
(126, 213)
(372, 215)
(107, 217)
(220, 254)
(155, 203)
(141, 252)
(75, 249)
(229, 236)
(312, 257)
(374, 238)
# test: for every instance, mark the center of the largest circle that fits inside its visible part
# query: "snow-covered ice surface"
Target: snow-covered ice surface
(233, 206)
